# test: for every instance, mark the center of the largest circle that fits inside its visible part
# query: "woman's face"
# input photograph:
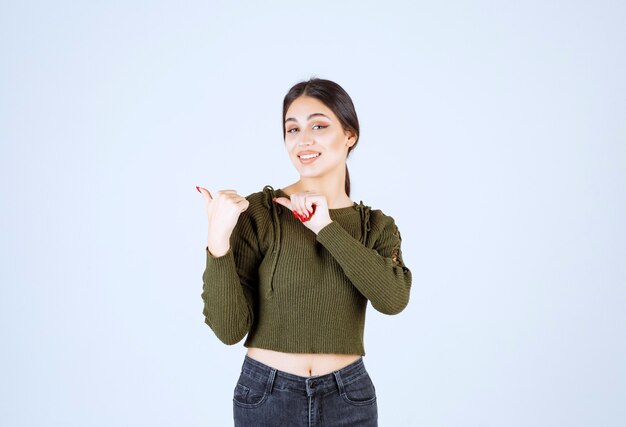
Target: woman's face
(312, 128)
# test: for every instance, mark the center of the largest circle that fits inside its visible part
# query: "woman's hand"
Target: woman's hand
(223, 212)
(310, 206)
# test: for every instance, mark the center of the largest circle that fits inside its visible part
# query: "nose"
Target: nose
(305, 138)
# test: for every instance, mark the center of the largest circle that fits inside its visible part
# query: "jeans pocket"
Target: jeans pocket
(360, 392)
(249, 392)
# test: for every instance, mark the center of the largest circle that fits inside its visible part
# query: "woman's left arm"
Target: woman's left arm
(378, 273)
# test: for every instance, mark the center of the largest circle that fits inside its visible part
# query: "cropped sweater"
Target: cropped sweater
(291, 290)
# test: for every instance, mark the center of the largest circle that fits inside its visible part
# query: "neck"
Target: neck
(332, 187)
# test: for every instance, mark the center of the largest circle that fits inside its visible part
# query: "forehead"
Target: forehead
(303, 106)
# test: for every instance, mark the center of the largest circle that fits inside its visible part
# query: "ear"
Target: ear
(351, 138)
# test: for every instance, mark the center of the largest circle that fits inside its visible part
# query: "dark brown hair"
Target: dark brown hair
(336, 99)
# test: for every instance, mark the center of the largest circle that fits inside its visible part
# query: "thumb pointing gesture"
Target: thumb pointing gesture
(284, 201)
(206, 193)
(287, 203)
(303, 205)
(207, 196)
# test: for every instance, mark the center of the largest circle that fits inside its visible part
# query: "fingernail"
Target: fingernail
(198, 188)
(273, 199)
(300, 217)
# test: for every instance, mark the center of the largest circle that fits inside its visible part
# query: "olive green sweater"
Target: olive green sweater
(291, 290)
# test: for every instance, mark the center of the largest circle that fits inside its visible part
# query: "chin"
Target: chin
(308, 174)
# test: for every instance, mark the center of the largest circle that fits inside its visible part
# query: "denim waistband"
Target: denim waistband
(275, 378)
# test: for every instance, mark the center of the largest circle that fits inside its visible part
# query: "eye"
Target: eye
(290, 130)
(319, 126)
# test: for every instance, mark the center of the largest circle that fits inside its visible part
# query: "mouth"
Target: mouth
(309, 157)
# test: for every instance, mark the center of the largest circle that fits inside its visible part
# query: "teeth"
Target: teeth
(309, 156)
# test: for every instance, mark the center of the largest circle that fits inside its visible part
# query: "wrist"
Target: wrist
(218, 248)
(322, 226)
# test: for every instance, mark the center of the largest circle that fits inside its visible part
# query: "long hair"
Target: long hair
(336, 99)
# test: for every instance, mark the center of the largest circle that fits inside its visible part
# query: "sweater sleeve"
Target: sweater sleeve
(230, 283)
(378, 273)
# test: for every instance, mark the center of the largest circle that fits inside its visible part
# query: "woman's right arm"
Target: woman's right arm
(231, 275)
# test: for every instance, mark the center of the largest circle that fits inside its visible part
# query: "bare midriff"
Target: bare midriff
(302, 364)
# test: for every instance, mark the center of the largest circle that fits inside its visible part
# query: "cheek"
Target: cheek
(338, 145)
(290, 146)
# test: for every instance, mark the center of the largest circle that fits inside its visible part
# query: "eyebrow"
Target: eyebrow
(291, 119)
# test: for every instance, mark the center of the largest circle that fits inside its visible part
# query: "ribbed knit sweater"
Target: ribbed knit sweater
(291, 290)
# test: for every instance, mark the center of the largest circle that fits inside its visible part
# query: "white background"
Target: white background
(493, 132)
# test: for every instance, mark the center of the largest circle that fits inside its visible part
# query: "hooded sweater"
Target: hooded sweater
(287, 289)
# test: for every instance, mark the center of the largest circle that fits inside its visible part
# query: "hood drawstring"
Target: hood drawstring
(365, 220)
(275, 209)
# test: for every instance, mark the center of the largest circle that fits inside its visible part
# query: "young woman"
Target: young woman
(292, 270)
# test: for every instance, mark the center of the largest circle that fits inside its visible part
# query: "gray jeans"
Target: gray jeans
(265, 396)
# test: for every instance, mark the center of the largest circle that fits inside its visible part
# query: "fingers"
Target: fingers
(301, 204)
(203, 191)
(232, 195)
(307, 216)
(305, 203)
(309, 206)
(284, 201)
(243, 204)
(206, 193)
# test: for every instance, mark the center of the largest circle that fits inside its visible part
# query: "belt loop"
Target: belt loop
(339, 382)
(270, 381)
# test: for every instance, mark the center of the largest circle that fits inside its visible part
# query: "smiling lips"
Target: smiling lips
(308, 156)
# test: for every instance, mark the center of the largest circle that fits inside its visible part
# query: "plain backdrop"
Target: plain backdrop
(493, 132)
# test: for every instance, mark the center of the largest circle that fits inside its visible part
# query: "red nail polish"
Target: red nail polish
(198, 188)
(300, 217)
